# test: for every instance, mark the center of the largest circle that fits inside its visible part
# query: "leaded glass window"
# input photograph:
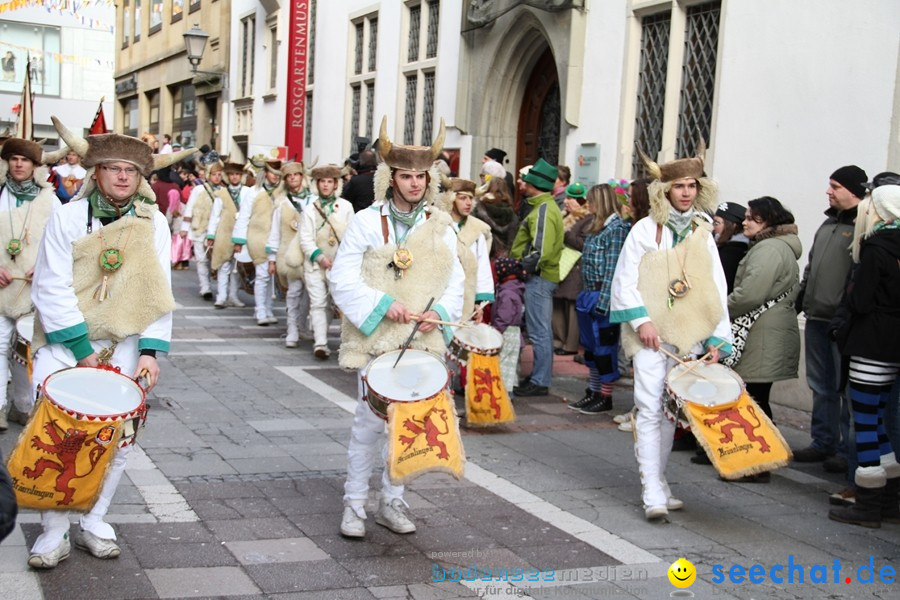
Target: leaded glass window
(357, 68)
(415, 16)
(427, 107)
(354, 115)
(434, 12)
(651, 93)
(698, 78)
(409, 126)
(373, 42)
(370, 108)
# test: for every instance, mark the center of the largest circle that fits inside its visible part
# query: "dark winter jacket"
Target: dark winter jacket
(730, 255)
(360, 190)
(501, 218)
(8, 506)
(872, 329)
(829, 262)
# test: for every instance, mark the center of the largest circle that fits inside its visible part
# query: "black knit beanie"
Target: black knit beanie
(853, 178)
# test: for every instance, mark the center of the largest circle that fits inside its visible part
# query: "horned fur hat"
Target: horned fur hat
(408, 158)
(32, 151)
(453, 186)
(664, 176)
(326, 172)
(113, 147)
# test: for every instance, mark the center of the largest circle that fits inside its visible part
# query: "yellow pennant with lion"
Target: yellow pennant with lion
(487, 402)
(59, 461)
(422, 437)
(739, 438)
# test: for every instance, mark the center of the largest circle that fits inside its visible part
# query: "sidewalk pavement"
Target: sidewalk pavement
(235, 492)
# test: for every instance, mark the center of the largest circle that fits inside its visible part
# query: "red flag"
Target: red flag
(99, 124)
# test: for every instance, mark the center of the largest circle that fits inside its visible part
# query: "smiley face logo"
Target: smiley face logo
(682, 573)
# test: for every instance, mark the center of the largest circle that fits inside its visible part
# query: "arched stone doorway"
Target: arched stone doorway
(540, 115)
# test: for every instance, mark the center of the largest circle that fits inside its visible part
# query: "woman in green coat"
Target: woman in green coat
(767, 272)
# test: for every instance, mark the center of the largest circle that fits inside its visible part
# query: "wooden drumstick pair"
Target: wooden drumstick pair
(437, 321)
(689, 365)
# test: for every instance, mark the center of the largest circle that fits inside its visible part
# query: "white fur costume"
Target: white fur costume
(282, 236)
(227, 278)
(364, 309)
(315, 240)
(654, 431)
(253, 223)
(62, 318)
(195, 222)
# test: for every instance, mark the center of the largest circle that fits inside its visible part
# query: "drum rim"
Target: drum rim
(19, 333)
(477, 349)
(137, 410)
(387, 401)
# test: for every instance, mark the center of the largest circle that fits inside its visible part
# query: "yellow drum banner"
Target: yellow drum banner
(59, 461)
(487, 402)
(739, 438)
(424, 436)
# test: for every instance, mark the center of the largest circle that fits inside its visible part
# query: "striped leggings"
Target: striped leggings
(870, 391)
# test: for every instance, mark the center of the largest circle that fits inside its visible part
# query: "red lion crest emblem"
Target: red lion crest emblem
(66, 446)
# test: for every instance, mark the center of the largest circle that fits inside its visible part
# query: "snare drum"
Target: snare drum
(62, 456)
(20, 367)
(709, 385)
(419, 376)
(478, 339)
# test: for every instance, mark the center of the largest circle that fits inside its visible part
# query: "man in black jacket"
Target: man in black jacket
(820, 294)
(360, 189)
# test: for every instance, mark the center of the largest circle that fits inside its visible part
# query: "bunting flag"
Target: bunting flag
(99, 124)
(25, 124)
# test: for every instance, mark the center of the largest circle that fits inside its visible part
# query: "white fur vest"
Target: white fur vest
(139, 291)
(28, 223)
(468, 235)
(223, 247)
(202, 210)
(426, 278)
(289, 242)
(694, 316)
(259, 227)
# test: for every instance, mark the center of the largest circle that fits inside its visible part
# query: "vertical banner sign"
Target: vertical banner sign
(295, 111)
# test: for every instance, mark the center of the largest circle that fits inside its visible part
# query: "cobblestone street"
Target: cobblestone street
(235, 491)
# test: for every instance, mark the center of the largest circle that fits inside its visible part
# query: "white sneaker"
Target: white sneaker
(49, 560)
(306, 335)
(235, 302)
(655, 512)
(4, 424)
(393, 516)
(290, 344)
(97, 546)
(623, 418)
(220, 305)
(321, 352)
(626, 426)
(352, 525)
(262, 322)
(674, 503)
(272, 320)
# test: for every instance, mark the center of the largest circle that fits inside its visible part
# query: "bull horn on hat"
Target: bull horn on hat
(445, 182)
(161, 161)
(701, 150)
(50, 158)
(345, 170)
(384, 142)
(438, 146)
(482, 189)
(652, 167)
(78, 144)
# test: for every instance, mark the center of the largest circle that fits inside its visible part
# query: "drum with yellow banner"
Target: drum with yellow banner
(82, 416)
(487, 400)
(423, 429)
(736, 434)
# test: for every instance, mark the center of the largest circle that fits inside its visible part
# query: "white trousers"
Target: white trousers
(202, 257)
(367, 443)
(653, 431)
(319, 313)
(50, 359)
(263, 288)
(297, 304)
(227, 283)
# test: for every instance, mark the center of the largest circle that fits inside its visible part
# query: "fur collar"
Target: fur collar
(659, 204)
(772, 232)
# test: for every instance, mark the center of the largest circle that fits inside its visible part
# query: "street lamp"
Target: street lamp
(195, 44)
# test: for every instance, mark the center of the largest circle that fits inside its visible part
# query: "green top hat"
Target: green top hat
(542, 175)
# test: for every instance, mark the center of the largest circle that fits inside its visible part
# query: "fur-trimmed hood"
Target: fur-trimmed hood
(382, 183)
(706, 201)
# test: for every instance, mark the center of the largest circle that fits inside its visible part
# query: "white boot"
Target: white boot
(353, 522)
(392, 514)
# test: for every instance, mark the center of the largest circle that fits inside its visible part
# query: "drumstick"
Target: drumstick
(697, 362)
(17, 278)
(478, 307)
(437, 321)
(682, 363)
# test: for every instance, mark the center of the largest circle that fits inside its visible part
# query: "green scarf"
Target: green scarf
(235, 192)
(407, 218)
(327, 204)
(24, 191)
(104, 209)
(680, 224)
